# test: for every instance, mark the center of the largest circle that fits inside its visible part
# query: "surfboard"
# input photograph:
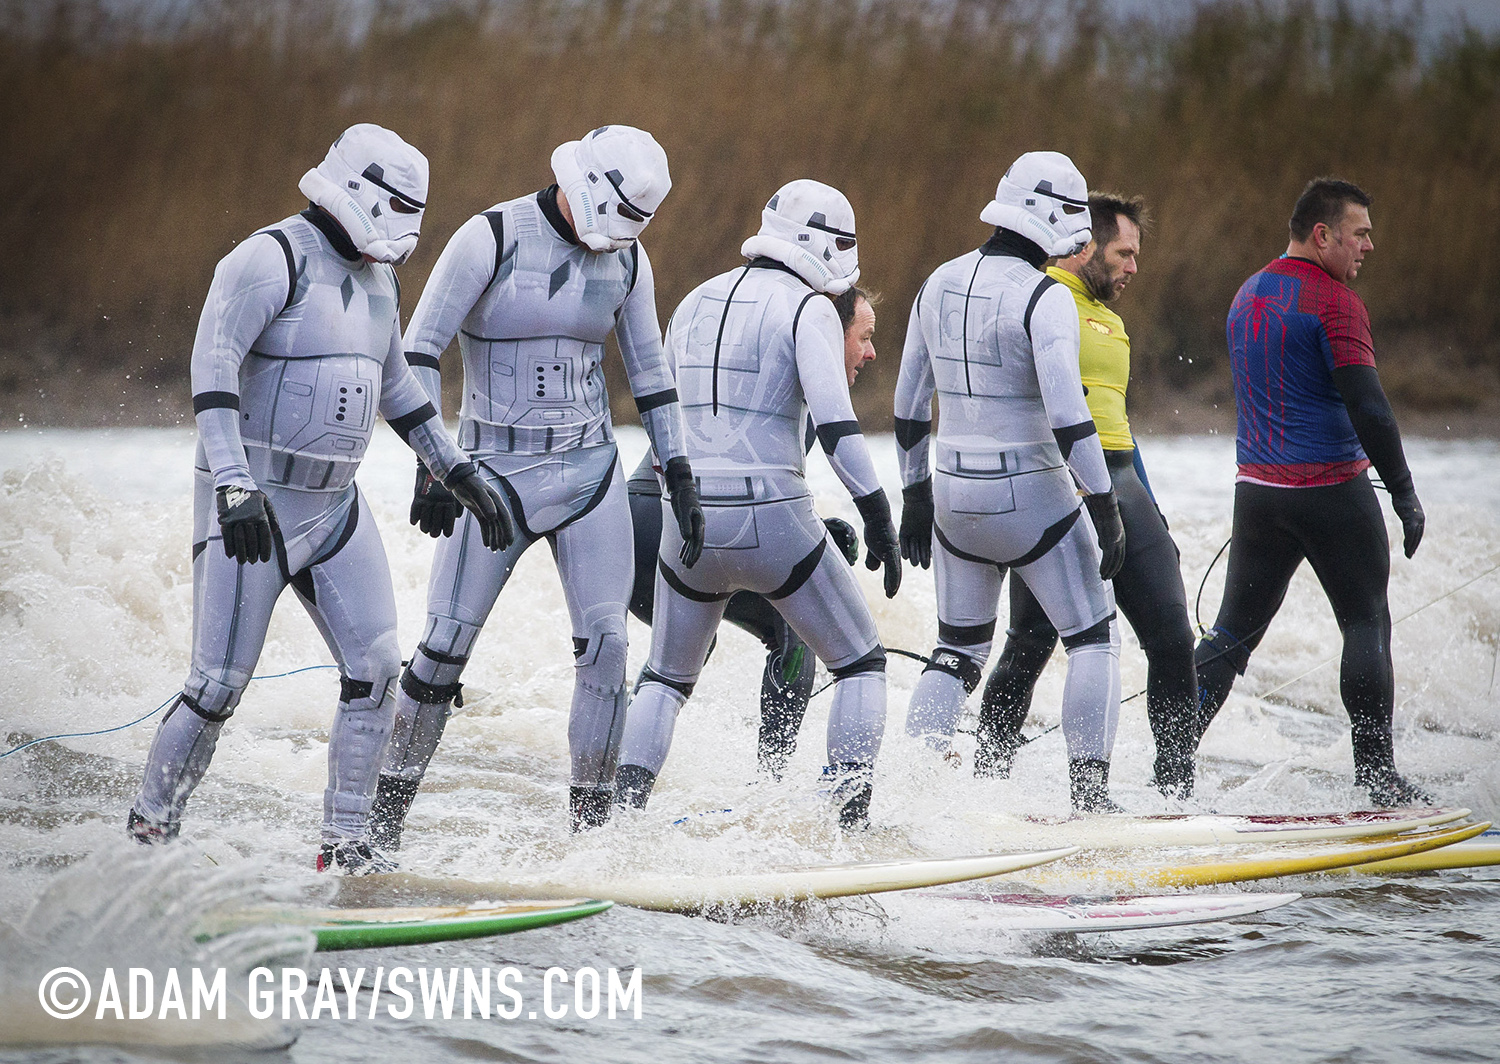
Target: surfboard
(364, 928)
(1478, 852)
(691, 893)
(1074, 914)
(1108, 871)
(1115, 831)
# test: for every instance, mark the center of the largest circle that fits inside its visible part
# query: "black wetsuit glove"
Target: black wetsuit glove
(433, 507)
(1413, 520)
(496, 528)
(248, 524)
(685, 507)
(880, 538)
(1104, 511)
(844, 535)
(916, 523)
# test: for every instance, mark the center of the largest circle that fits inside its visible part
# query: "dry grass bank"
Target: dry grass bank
(129, 163)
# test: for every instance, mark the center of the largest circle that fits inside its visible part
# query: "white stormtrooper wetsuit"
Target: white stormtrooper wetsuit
(998, 340)
(298, 345)
(532, 309)
(753, 349)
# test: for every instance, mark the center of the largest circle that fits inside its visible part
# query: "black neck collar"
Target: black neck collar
(546, 199)
(765, 262)
(326, 224)
(1010, 242)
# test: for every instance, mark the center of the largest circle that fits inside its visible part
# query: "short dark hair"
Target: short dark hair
(1107, 208)
(843, 303)
(1324, 201)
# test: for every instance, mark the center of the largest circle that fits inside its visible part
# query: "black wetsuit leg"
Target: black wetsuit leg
(1149, 592)
(1340, 530)
(1029, 642)
(645, 521)
(785, 685)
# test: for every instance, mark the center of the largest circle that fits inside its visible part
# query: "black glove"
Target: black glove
(844, 535)
(496, 528)
(880, 538)
(916, 523)
(433, 507)
(248, 523)
(1104, 511)
(685, 507)
(1413, 520)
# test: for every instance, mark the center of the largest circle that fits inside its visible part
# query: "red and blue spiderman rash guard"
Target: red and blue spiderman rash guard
(1290, 326)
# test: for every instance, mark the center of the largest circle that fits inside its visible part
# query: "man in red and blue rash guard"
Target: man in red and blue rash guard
(1312, 419)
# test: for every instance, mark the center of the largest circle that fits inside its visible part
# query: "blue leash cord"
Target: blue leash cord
(148, 716)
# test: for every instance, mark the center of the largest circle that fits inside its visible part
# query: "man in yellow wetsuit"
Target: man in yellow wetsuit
(1148, 587)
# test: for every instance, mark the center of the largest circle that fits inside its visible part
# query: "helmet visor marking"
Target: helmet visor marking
(1069, 207)
(628, 209)
(400, 206)
(843, 243)
(374, 179)
(813, 223)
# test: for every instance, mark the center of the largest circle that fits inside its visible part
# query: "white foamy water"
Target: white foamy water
(95, 604)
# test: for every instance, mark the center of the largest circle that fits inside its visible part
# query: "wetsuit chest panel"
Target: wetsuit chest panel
(533, 344)
(310, 386)
(987, 386)
(742, 402)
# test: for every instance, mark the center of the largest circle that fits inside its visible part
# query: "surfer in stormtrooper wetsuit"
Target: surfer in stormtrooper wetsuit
(998, 341)
(533, 287)
(298, 346)
(786, 684)
(1148, 588)
(756, 350)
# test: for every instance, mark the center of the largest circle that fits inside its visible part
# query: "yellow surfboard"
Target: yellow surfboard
(1478, 852)
(1096, 870)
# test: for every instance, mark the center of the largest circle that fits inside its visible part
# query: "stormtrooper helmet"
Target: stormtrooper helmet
(809, 227)
(1044, 198)
(614, 179)
(375, 185)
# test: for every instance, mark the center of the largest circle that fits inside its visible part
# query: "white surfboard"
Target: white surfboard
(1074, 914)
(689, 894)
(1119, 831)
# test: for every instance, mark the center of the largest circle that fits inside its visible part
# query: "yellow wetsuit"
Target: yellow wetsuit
(1103, 362)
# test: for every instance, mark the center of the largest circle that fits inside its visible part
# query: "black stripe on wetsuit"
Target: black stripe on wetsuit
(1148, 591)
(1339, 529)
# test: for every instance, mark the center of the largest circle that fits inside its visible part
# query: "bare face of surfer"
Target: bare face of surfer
(1105, 271)
(859, 343)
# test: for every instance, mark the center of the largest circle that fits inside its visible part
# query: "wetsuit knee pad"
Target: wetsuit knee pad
(438, 668)
(964, 668)
(213, 701)
(599, 657)
(1220, 645)
(1090, 636)
(874, 661)
(649, 675)
(364, 694)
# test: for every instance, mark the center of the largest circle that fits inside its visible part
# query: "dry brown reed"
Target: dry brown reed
(130, 161)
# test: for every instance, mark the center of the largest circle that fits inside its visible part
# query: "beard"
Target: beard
(1097, 278)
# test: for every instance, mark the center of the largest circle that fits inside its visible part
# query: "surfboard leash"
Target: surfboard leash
(148, 716)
